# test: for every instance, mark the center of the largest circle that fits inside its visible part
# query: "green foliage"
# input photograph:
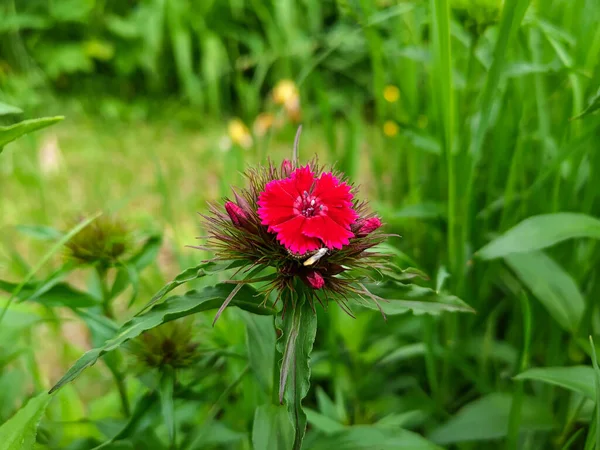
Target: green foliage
(12, 132)
(575, 378)
(299, 328)
(19, 432)
(483, 159)
(171, 309)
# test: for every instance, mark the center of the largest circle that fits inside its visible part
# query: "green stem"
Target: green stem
(299, 329)
(107, 310)
(122, 388)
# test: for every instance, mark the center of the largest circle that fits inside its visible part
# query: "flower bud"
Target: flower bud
(367, 226)
(236, 214)
(286, 168)
(315, 280)
(242, 203)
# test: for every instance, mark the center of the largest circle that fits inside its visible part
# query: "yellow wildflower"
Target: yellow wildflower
(390, 128)
(391, 93)
(239, 133)
(285, 92)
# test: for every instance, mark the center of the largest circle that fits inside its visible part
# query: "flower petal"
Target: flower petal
(303, 179)
(332, 234)
(333, 192)
(290, 235)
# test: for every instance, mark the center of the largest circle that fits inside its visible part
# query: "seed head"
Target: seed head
(172, 344)
(104, 242)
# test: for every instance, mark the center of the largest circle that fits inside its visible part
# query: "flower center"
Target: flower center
(308, 205)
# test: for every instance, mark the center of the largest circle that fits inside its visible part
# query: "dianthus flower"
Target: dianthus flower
(303, 223)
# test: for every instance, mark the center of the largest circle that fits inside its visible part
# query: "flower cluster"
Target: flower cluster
(306, 223)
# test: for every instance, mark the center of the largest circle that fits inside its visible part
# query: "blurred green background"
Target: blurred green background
(457, 118)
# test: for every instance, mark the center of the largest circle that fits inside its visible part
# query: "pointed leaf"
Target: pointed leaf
(321, 422)
(59, 294)
(171, 309)
(593, 106)
(19, 432)
(147, 253)
(538, 232)
(272, 429)
(369, 437)
(186, 276)
(40, 232)
(6, 109)
(12, 132)
(260, 342)
(400, 298)
(487, 418)
(551, 285)
(576, 378)
(299, 330)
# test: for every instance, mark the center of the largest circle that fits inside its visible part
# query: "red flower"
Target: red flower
(306, 212)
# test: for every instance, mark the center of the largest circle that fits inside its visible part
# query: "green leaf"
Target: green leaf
(299, 327)
(322, 423)
(186, 276)
(399, 298)
(145, 406)
(487, 418)
(593, 106)
(40, 232)
(596, 423)
(62, 294)
(19, 432)
(538, 232)
(576, 378)
(368, 437)
(147, 254)
(51, 293)
(172, 308)
(551, 285)
(6, 109)
(272, 429)
(260, 344)
(12, 132)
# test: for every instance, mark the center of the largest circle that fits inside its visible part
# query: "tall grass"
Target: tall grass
(486, 138)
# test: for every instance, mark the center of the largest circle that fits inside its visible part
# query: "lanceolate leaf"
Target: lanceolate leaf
(299, 329)
(147, 253)
(551, 285)
(6, 109)
(576, 378)
(538, 232)
(369, 437)
(399, 298)
(272, 429)
(171, 309)
(487, 418)
(12, 132)
(186, 276)
(59, 294)
(19, 432)
(260, 344)
(593, 106)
